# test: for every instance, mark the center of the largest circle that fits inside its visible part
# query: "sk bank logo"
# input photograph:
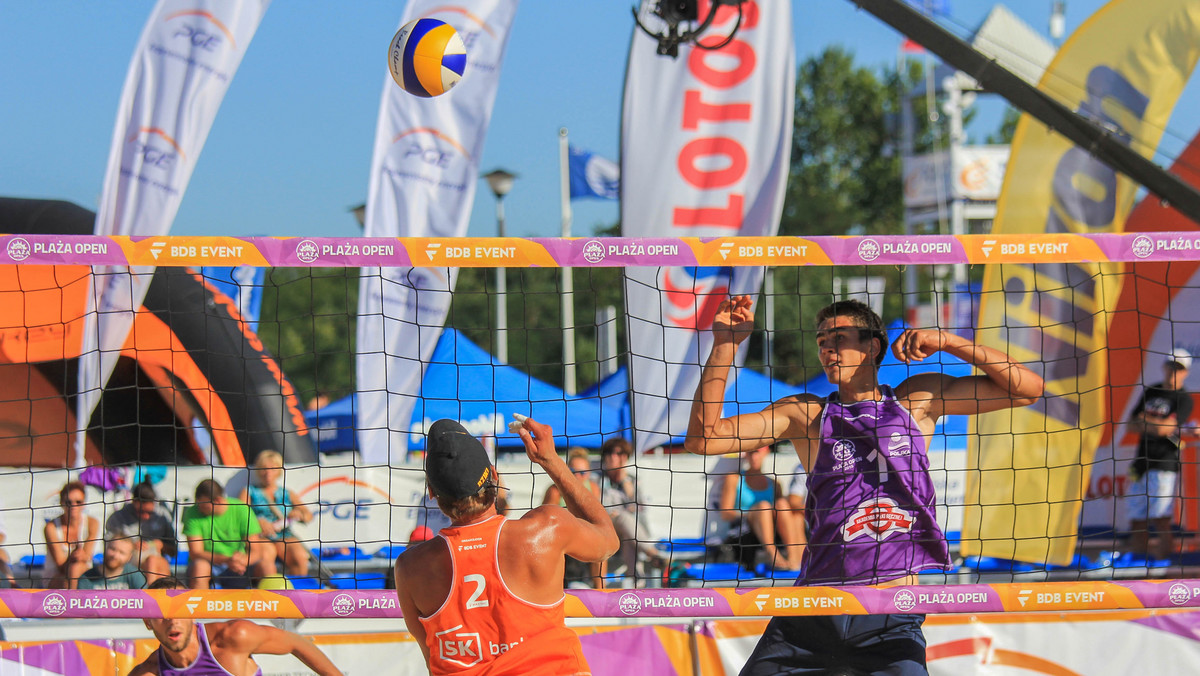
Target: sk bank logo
(693, 295)
(203, 31)
(462, 648)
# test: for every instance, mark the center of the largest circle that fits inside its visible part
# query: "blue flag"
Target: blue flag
(593, 176)
(932, 7)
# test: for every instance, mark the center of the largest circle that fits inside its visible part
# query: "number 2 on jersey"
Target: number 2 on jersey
(480, 583)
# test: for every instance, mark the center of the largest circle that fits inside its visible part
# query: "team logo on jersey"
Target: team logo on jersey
(460, 647)
(898, 444)
(842, 450)
(877, 519)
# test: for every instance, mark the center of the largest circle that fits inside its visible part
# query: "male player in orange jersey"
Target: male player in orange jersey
(485, 596)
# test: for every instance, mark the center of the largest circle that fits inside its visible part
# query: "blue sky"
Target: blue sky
(291, 148)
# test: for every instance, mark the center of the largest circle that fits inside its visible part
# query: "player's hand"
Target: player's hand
(539, 441)
(734, 320)
(915, 345)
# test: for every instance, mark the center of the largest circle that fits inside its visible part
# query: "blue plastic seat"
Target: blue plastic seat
(358, 581)
(304, 582)
(389, 552)
(988, 564)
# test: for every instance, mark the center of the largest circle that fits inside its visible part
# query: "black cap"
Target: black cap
(456, 464)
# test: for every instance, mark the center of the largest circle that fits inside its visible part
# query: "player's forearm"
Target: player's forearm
(1016, 378)
(709, 402)
(314, 659)
(579, 500)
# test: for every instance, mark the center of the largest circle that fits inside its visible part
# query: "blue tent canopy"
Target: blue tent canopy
(464, 382)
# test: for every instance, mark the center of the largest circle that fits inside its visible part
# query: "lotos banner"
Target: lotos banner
(706, 140)
(187, 56)
(1124, 68)
(423, 177)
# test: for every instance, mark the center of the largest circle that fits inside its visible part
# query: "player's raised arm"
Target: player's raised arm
(1005, 383)
(253, 638)
(589, 534)
(711, 434)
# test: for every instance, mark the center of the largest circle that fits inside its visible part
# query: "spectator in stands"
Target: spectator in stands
(71, 539)
(797, 497)
(148, 524)
(1161, 419)
(115, 570)
(618, 493)
(277, 508)
(224, 540)
(577, 572)
(756, 502)
(7, 580)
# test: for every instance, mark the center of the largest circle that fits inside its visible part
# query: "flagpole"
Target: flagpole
(567, 293)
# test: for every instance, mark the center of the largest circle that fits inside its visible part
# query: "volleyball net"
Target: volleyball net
(248, 344)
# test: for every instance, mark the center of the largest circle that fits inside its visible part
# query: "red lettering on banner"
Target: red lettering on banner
(725, 13)
(722, 68)
(710, 147)
(729, 216)
(698, 64)
(696, 111)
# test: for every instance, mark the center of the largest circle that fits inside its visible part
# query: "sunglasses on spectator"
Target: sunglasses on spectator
(75, 503)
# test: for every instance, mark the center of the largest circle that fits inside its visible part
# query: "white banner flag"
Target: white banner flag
(705, 146)
(186, 57)
(423, 177)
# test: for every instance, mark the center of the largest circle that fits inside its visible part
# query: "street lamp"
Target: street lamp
(501, 181)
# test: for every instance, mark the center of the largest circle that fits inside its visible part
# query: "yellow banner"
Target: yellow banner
(1124, 68)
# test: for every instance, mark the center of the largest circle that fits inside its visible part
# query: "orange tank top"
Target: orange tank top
(484, 628)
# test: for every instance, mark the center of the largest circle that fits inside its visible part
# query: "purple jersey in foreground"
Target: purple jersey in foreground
(204, 665)
(870, 507)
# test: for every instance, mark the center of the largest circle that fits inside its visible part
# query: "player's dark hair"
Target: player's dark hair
(167, 583)
(465, 508)
(863, 316)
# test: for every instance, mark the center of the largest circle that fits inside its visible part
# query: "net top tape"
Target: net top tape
(712, 602)
(514, 252)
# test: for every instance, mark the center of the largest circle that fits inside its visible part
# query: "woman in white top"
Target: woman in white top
(71, 539)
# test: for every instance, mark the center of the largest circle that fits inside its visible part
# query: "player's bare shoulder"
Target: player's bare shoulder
(803, 408)
(147, 668)
(422, 555)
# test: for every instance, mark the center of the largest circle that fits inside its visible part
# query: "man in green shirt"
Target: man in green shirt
(224, 540)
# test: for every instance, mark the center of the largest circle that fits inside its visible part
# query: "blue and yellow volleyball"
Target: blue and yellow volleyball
(427, 57)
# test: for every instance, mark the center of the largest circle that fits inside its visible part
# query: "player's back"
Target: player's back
(483, 627)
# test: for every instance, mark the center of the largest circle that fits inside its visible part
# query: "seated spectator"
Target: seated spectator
(756, 502)
(797, 496)
(276, 508)
(618, 491)
(115, 570)
(148, 524)
(224, 540)
(7, 581)
(71, 539)
(577, 573)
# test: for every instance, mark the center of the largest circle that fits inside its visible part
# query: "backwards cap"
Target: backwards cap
(456, 464)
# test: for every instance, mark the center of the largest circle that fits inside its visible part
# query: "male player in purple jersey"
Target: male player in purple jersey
(870, 506)
(189, 648)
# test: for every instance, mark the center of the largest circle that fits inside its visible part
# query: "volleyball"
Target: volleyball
(427, 57)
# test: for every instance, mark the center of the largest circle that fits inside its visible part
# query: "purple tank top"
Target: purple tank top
(870, 509)
(205, 664)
